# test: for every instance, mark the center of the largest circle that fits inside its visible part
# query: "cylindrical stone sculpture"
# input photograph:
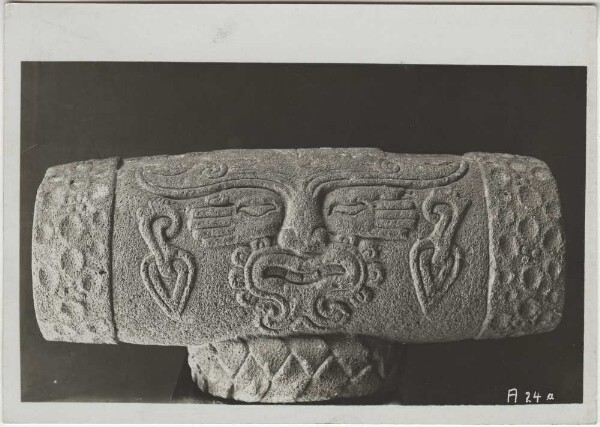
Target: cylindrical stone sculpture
(293, 275)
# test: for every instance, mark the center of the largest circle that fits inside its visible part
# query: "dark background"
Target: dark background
(80, 111)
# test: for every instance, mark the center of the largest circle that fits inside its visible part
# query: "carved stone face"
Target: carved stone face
(304, 228)
(209, 247)
(291, 273)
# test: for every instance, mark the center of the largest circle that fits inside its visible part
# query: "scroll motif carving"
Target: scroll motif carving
(435, 260)
(306, 236)
(304, 260)
(167, 271)
(279, 285)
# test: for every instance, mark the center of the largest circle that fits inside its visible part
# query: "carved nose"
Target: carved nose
(307, 242)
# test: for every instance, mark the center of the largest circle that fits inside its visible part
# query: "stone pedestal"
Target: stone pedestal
(297, 368)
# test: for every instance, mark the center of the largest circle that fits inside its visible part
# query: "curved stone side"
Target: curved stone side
(296, 369)
(71, 250)
(527, 247)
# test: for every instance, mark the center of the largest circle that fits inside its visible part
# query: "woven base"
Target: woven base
(296, 369)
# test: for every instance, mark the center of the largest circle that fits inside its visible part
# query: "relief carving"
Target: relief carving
(307, 238)
(293, 275)
(234, 216)
(436, 260)
(303, 292)
(167, 271)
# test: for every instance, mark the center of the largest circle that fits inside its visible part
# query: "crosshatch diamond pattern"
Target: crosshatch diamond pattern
(294, 369)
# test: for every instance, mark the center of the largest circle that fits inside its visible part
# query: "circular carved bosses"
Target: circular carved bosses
(510, 296)
(47, 279)
(368, 250)
(71, 227)
(93, 247)
(529, 197)
(504, 276)
(528, 228)
(43, 233)
(99, 218)
(530, 309)
(552, 210)
(507, 245)
(531, 278)
(363, 296)
(71, 261)
(553, 239)
(88, 284)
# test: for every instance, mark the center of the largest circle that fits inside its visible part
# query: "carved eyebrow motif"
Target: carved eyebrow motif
(352, 209)
(256, 210)
(341, 179)
(149, 180)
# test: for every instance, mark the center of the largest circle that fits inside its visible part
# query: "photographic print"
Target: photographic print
(215, 233)
(304, 274)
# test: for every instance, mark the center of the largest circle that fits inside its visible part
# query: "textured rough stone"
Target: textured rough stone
(253, 247)
(71, 261)
(295, 369)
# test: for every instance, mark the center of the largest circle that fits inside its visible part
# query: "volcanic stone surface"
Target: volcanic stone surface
(269, 248)
(296, 368)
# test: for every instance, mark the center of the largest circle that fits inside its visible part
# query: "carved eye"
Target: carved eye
(349, 209)
(257, 210)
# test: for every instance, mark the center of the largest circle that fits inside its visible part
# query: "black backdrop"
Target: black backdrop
(79, 111)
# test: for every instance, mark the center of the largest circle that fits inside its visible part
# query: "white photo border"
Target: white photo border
(292, 33)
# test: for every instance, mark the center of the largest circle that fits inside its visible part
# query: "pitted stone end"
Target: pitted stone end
(526, 246)
(71, 253)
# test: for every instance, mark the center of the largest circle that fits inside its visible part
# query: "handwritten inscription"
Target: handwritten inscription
(528, 396)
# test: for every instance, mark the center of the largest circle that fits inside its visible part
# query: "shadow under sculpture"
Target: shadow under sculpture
(295, 275)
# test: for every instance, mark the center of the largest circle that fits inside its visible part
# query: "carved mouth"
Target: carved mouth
(315, 291)
(337, 268)
(304, 278)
